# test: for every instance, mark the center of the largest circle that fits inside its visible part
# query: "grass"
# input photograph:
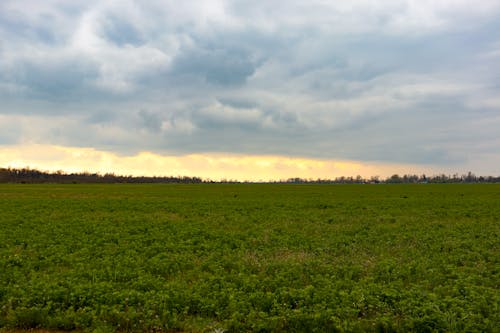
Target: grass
(241, 257)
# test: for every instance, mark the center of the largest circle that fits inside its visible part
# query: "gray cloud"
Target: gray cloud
(217, 66)
(368, 81)
(151, 121)
(122, 33)
(55, 80)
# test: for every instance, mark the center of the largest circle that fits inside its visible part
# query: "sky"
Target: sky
(251, 90)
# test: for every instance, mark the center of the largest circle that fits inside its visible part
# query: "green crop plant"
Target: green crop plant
(250, 257)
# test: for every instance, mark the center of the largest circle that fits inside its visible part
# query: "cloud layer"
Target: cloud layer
(395, 81)
(206, 166)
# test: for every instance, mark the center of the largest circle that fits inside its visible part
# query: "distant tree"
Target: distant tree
(394, 179)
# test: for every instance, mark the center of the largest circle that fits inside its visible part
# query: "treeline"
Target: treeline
(28, 175)
(407, 179)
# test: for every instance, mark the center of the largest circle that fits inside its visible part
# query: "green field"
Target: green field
(249, 257)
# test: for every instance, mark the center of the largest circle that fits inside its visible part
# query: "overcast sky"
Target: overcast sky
(413, 83)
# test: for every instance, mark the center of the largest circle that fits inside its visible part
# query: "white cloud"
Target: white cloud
(362, 16)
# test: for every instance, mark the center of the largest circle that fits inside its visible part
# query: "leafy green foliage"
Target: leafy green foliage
(240, 257)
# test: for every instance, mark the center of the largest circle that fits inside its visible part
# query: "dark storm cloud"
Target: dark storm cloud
(55, 80)
(223, 67)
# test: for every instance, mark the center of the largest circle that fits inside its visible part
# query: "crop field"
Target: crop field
(250, 257)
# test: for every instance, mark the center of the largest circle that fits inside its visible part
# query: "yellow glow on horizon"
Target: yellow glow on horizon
(215, 166)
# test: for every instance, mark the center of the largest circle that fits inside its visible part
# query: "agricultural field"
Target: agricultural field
(250, 257)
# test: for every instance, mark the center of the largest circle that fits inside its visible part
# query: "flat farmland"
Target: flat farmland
(250, 257)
